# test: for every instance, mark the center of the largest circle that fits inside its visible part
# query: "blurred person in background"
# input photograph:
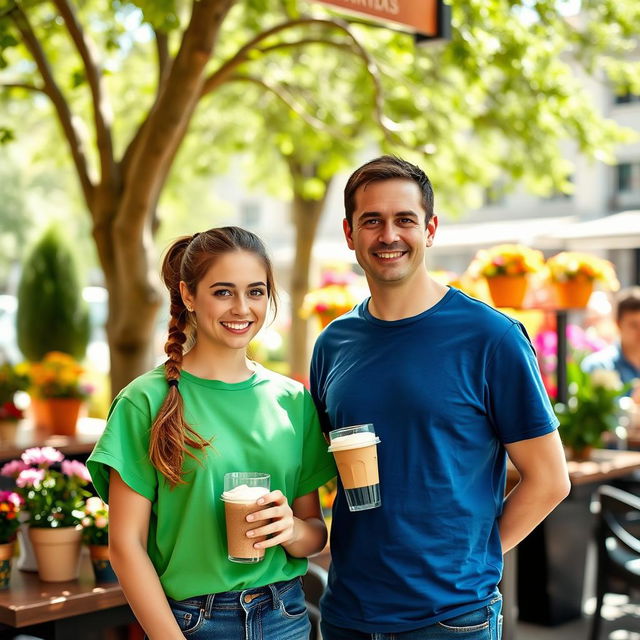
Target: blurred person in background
(623, 356)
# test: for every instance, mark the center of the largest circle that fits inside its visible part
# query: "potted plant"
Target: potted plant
(332, 298)
(10, 505)
(592, 409)
(54, 495)
(573, 275)
(56, 384)
(12, 380)
(505, 268)
(95, 534)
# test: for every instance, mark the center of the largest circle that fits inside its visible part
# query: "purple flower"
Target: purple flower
(75, 468)
(29, 477)
(12, 469)
(42, 456)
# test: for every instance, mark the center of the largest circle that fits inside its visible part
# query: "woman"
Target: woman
(174, 432)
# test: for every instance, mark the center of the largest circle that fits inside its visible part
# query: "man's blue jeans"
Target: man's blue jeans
(484, 623)
(274, 612)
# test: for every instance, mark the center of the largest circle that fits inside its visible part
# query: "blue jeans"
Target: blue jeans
(273, 612)
(484, 623)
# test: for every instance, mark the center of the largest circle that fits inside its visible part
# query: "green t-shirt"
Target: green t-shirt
(267, 424)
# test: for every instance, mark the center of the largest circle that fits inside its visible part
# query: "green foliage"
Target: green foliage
(592, 407)
(52, 315)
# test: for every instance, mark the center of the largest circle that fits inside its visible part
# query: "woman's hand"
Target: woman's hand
(279, 516)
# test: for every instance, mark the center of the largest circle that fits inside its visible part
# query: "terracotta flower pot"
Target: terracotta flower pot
(101, 563)
(507, 291)
(57, 551)
(56, 415)
(573, 293)
(6, 554)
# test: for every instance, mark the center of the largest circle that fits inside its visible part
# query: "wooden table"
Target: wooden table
(75, 610)
(551, 560)
(87, 433)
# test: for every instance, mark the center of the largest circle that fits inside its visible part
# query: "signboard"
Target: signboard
(423, 17)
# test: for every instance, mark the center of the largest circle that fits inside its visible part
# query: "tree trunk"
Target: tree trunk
(134, 297)
(306, 216)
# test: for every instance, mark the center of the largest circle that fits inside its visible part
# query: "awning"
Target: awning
(616, 231)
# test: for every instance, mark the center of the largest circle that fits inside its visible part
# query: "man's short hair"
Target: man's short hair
(387, 168)
(627, 301)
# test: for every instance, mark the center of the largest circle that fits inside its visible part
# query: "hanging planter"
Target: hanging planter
(508, 291)
(505, 268)
(57, 552)
(573, 275)
(573, 293)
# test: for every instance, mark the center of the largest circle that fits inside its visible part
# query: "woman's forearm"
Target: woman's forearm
(309, 537)
(144, 592)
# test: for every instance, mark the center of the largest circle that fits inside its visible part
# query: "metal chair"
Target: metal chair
(618, 547)
(313, 584)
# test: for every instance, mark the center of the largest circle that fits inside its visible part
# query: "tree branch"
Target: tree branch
(224, 72)
(164, 58)
(289, 101)
(23, 85)
(299, 43)
(101, 111)
(57, 98)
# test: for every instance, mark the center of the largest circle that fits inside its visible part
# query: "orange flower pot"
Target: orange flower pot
(573, 293)
(57, 552)
(56, 415)
(507, 291)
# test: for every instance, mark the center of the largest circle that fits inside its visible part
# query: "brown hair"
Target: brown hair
(387, 168)
(188, 259)
(627, 301)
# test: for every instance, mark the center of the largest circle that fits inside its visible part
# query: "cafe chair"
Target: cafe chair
(617, 536)
(313, 584)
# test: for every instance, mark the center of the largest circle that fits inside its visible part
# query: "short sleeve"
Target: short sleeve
(317, 392)
(318, 466)
(517, 402)
(124, 446)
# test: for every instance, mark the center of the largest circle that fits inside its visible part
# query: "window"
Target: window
(627, 98)
(628, 177)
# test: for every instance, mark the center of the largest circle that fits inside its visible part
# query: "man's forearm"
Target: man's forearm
(526, 507)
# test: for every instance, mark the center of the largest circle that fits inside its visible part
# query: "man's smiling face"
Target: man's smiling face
(389, 233)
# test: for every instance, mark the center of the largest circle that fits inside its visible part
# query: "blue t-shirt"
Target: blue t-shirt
(611, 358)
(445, 390)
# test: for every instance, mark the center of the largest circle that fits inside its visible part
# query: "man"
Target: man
(623, 357)
(449, 383)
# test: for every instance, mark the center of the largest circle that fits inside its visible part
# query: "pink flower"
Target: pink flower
(75, 468)
(12, 469)
(101, 522)
(29, 477)
(42, 456)
(11, 497)
(86, 522)
(94, 504)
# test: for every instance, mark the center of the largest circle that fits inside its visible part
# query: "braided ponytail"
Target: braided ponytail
(170, 432)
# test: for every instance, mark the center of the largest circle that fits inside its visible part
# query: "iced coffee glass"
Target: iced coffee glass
(241, 491)
(355, 451)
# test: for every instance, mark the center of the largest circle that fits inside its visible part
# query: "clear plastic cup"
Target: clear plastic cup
(241, 491)
(355, 451)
